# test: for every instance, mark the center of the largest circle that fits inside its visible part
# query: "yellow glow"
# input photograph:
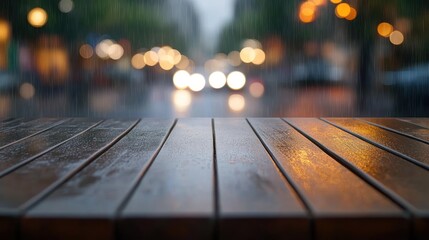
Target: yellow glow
(396, 38)
(236, 102)
(175, 55)
(37, 17)
(166, 62)
(52, 63)
(234, 58)
(336, 1)
(342, 10)
(259, 57)
(86, 51)
(319, 2)
(384, 29)
(151, 58)
(4, 31)
(137, 61)
(115, 51)
(163, 51)
(217, 80)
(236, 80)
(352, 15)
(182, 99)
(247, 54)
(197, 82)
(256, 89)
(306, 19)
(102, 48)
(181, 79)
(26, 90)
(184, 62)
(308, 9)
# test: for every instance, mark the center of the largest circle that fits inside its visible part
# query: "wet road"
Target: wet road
(161, 99)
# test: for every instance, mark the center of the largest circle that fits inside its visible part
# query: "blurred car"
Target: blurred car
(409, 85)
(8, 81)
(316, 72)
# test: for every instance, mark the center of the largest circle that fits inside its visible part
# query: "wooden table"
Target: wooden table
(257, 178)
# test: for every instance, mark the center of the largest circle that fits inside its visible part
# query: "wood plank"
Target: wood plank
(401, 180)
(339, 200)
(84, 207)
(255, 200)
(401, 127)
(29, 149)
(10, 124)
(27, 185)
(23, 131)
(423, 122)
(414, 151)
(175, 199)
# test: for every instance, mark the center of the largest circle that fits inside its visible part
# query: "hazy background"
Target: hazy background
(214, 58)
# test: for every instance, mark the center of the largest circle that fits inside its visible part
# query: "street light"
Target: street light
(37, 17)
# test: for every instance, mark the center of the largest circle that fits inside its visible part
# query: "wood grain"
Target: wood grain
(29, 149)
(175, 199)
(96, 193)
(412, 150)
(255, 200)
(339, 200)
(401, 180)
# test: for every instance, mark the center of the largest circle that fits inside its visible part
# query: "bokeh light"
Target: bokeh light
(184, 62)
(259, 57)
(151, 58)
(236, 80)
(352, 15)
(234, 58)
(115, 51)
(342, 10)
(102, 48)
(256, 89)
(37, 17)
(66, 6)
(247, 54)
(197, 82)
(137, 61)
(217, 80)
(252, 43)
(336, 1)
(319, 2)
(236, 102)
(27, 91)
(396, 37)
(308, 8)
(307, 12)
(4, 31)
(166, 62)
(181, 79)
(86, 51)
(182, 99)
(384, 29)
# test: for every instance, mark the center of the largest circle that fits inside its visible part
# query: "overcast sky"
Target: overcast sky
(213, 14)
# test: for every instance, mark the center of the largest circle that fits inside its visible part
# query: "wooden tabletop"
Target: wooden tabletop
(200, 178)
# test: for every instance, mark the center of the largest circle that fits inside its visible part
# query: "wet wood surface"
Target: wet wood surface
(257, 178)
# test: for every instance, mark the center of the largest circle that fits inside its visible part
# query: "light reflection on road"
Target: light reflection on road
(161, 99)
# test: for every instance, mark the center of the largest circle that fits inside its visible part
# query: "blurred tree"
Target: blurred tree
(139, 21)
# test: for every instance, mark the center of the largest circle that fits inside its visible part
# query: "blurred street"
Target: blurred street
(223, 58)
(161, 99)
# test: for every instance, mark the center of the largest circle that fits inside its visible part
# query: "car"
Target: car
(316, 72)
(409, 86)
